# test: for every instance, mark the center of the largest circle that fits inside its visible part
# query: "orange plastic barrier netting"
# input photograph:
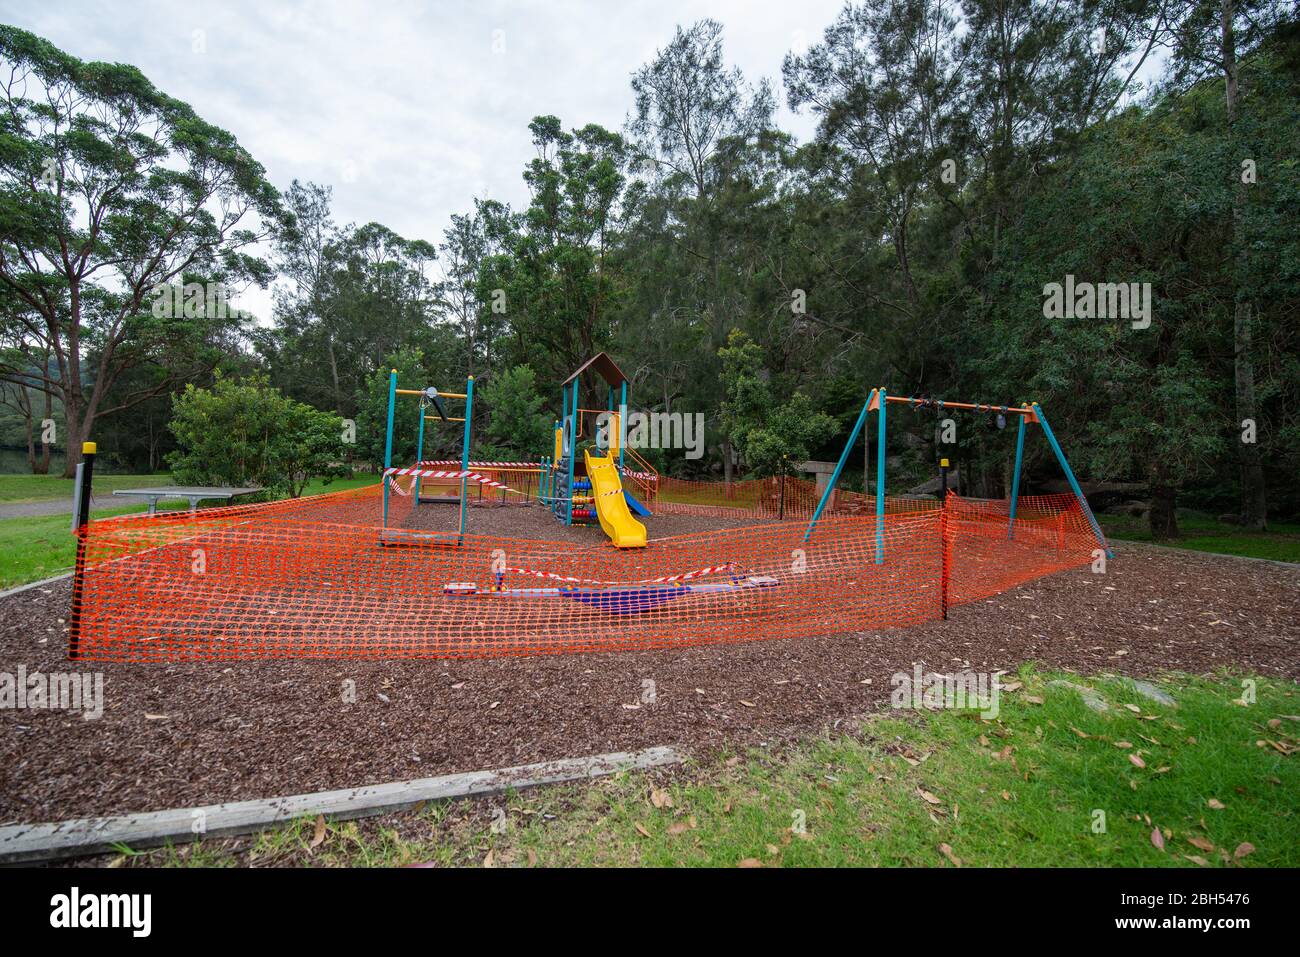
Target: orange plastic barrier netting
(310, 578)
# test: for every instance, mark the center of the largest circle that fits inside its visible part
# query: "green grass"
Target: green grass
(1201, 533)
(41, 546)
(1047, 783)
(24, 489)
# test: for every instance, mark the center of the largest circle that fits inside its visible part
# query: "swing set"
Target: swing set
(1030, 413)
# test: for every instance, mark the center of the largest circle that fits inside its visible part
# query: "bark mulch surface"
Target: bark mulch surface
(179, 735)
(536, 522)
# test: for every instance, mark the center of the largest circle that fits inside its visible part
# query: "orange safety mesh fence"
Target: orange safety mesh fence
(310, 578)
(766, 498)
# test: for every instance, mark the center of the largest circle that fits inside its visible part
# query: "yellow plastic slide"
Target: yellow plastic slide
(611, 507)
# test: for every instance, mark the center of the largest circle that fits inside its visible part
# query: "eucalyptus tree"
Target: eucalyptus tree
(110, 191)
(1211, 39)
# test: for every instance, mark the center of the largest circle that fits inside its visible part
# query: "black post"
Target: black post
(85, 474)
(781, 515)
(945, 562)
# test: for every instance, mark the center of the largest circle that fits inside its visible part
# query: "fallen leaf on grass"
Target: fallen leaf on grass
(928, 797)
(946, 851)
(642, 830)
(1244, 849)
(490, 860)
(750, 862)
(318, 835)
(1033, 699)
(1214, 804)
(1134, 708)
(1197, 860)
(1158, 839)
(1123, 744)
(1082, 734)
(1204, 844)
(680, 827)
(660, 799)
(1137, 761)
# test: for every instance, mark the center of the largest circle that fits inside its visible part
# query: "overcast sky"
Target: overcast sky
(409, 110)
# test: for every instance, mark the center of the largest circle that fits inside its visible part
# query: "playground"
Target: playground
(446, 620)
(415, 568)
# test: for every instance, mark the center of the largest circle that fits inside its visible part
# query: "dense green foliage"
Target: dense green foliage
(245, 433)
(969, 157)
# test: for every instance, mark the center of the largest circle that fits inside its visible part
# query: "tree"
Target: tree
(517, 424)
(111, 191)
(763, 431)
(1210, 37)
(244, 432)
(553, 274)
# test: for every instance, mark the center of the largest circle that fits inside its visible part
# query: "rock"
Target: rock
(1091, 697)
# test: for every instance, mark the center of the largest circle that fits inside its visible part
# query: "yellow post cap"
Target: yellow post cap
(943, 463)
(87, 448)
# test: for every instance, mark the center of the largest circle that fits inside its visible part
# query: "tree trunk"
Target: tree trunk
(1254, 504)
(1162, 517)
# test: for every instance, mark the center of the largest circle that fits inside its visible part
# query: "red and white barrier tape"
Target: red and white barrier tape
(485, 465)
(685, 576)
(445, 473)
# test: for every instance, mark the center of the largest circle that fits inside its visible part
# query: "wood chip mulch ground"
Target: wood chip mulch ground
(179, 735)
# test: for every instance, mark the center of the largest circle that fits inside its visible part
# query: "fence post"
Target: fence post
(85, 475)
(945, 546)
(781, 508)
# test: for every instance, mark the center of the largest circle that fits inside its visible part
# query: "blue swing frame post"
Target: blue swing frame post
(1015, 479)
(839, 467)
(1069, 475)
(419, 450)
(464, 453)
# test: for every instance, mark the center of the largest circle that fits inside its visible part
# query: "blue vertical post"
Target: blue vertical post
(388, 440)
(1015, 478)
(839, 466)
(573, 454)
(880, 480)
(419, 450)
(1069, 475)
(464, 449)
(622, 425)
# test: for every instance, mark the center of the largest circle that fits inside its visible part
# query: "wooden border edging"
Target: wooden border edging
(19, 589)
(97, 835)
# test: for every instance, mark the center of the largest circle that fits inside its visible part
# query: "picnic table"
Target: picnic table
(195, 493)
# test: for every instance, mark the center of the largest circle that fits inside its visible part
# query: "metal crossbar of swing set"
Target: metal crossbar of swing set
(1029, 412)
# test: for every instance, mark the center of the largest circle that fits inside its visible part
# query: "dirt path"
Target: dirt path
(173, 735)
(57, 506)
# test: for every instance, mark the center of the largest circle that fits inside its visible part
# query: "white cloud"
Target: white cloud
(405, 108)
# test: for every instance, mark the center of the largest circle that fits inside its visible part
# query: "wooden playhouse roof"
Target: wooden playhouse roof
(604, 365)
